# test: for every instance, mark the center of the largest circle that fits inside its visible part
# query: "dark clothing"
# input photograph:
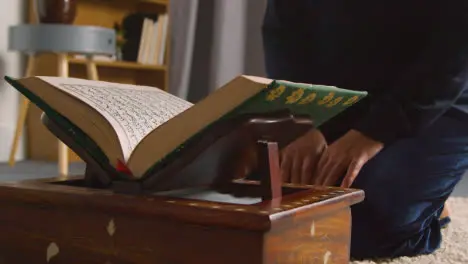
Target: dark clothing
(406, 186)
(412, 58)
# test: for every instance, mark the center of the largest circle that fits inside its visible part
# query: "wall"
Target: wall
(183, 16)
(227, 43)
(227, 55)
(253, 55)
(237, 42)
(11, 63)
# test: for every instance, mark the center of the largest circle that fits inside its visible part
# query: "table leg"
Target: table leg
(62, 148)
(23, 111)
(91, 69)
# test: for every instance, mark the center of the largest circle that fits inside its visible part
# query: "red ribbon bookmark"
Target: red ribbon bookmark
(121, 167)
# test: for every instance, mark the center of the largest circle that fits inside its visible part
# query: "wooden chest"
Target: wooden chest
(60, 221)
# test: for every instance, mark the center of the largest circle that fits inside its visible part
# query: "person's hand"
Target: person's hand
(346, 156)
(299, 159)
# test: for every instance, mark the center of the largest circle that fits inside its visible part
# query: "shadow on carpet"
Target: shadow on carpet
(455, 240)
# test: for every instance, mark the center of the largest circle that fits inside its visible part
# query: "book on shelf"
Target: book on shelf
(153, 42)
(141, 126)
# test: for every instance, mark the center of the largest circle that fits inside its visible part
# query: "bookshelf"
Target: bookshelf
(41, 144)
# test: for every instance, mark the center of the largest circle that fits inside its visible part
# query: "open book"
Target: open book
(139, 126)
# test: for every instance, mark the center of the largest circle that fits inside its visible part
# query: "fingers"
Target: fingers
(296, 169)
(299, 166)
(330, 169)
(322, 165)
(353, 170)
(286, 165)
(307, 170)
(291, 167)
(334, 173)
(310, 168)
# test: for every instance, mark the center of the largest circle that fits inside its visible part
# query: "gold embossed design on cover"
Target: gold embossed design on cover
(326, 99)
(334, 102)
(275, 93)
(351, 100)
(308, 99)
(295, 96)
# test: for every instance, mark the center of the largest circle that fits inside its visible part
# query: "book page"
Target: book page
(133, 111)
(206, 194)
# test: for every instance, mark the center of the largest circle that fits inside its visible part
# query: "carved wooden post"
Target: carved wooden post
(269, 169)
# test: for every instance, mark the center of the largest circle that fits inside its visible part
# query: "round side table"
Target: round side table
(63, 40)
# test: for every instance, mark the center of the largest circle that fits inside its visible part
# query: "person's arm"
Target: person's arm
(430, 86)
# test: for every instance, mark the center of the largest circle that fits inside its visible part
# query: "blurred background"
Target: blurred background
(204, 45)
(186, 47)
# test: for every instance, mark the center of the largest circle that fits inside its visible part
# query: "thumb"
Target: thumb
(353, 170)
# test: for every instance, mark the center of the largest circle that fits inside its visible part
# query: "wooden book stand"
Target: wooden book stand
(202, 206)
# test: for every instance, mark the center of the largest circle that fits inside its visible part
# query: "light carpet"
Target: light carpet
(454, 248)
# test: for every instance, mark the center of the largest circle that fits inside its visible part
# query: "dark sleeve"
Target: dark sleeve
(429, 86)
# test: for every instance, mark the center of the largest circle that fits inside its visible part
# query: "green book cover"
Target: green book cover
(320, 102)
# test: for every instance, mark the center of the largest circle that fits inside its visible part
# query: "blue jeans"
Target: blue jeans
(406, 184)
